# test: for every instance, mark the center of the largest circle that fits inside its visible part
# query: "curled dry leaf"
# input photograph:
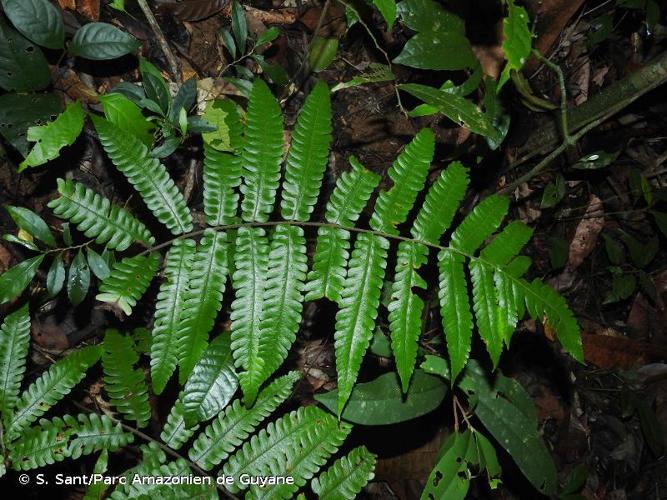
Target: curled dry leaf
(89, 9)
(586, 234)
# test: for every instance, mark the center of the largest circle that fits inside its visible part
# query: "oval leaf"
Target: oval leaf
(55, 279)
(38, 20)
(32, 223)
(16, 279)
(102, 41)
(78, 279)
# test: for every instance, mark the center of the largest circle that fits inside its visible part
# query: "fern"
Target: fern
(298, 444)
(175, 433)
(222, 173)
(153, 487)
(14, 342)
(262, 154)
(203, 299)
(128, 281)
(352, 191)
(50, 388)
(308, 155)
(228, 431)
(98, 218)
(67, 437)
(346, 477)
(124, 383)
(148, 176)
(169, 312)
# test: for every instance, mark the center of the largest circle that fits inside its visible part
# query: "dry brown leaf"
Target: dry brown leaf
(89, 9)
(280, 16)
(586, 234)
(67, 4)
(196, 10)
(5, 259)
(70, 83)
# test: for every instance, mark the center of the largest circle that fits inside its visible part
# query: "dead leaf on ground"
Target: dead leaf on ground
(49, 336)
(5, 259)
(67, 4)
(89, 9)
(586, 235)
(195, 10)
(70, 83)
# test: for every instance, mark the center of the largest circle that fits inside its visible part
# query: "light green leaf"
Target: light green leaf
(346, 477)
(388, 10)
(14, 343)
(517, 42)
(126, 115)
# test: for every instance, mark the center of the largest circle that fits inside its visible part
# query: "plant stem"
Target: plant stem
(164, 45)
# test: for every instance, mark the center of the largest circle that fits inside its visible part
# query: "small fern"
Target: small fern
(14, 341)
(98, 218)
(128, 281)
(346, 477)
(122, 381)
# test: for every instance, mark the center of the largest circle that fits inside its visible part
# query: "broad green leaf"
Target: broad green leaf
(55, 279)
(268, 36)
(38, 20)
(322, 53)
(97, 264)
(15, 279)
(622, 286)
(217, 113)
(32, 223)
(517, 42)
(382, 402)
(388, 10)
(239, 25)
(19, 112)
(78, 279)
(23, 67)
(450, 478)
(456, 108)
(123, 113)
(51, 138)
(427, 15)
(102, 41)
(183, 102)
(155, 86)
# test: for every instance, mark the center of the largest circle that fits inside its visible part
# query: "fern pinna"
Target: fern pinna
(258, 204)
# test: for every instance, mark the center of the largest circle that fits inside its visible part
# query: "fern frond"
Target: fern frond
(50, 388)
(352, 191)
(169, 311)
(124, 383)
(14, 343)
(128, 281)
(175, 433)
(308, 155)
(262, 154)
(441, 203)
(203, 299)
(148, 176)
(67, 437)
(300, 442)
(96, 217)
(251, 260)
(479, 224)
(408, 174)
(488, 316)
(507, 244)
(346, 477)
(405, 308)
(212, 383)
(226, 433)
(510, 310)
(455, 309)
(355, 320)
(283, 296)
(152, 485)
(222, 172)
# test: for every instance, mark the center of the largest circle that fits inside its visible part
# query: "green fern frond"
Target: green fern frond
(96, 217)
(308, 155)
(180, 488)
(405, 308)
(175, 433)
(352, 192)
(346, 477)
(222, 172)
(203, 299)
(14, 343)
(250, 276)
(455, 309)
(148, 176)
(300, 442)
(212, 383)
(408, 174)
(479, 224)
(228, 431)
(441, 203)
(169, 310)
(124, 383)
(50, 388)
(67, 437)
(262, 154)
(488, 316)
(128, 281)
(355, 320)
(507, 244)
(283, 296)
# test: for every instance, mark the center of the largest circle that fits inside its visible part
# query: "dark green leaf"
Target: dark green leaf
(601, 28)
(168, 146)
(575, 481)
(67, 234)
(553, 193)
(102, 41)
(239, 25)
(322, 52)
(436, 365)
(641, 254)
(97, 264)
(132, 91)
(437, 51)
(38, 20)
(155, 86)
(647, 285)
(228, 41)
(185, 99)
(381, 345)
(661, 221)
(381, 401)
(19, 112)
(15, 279)
(596, 160)
(427, 15)
(125, 114)
(622, 286)
(559, 250)
(23, 67)
(55, 279)
(450, 478)
(78, 279)
(32, 223)
(614, 249)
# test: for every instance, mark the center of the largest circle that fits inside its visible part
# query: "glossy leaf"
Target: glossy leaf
(55, 278)
(32, 223)
(78, 279)
(102, 41)
(15, 279)
(346, 477)
(37, 20)
(126, 115)
(14, 343)
(517, 40)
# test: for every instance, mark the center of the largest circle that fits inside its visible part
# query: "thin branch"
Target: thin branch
(164, 44)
